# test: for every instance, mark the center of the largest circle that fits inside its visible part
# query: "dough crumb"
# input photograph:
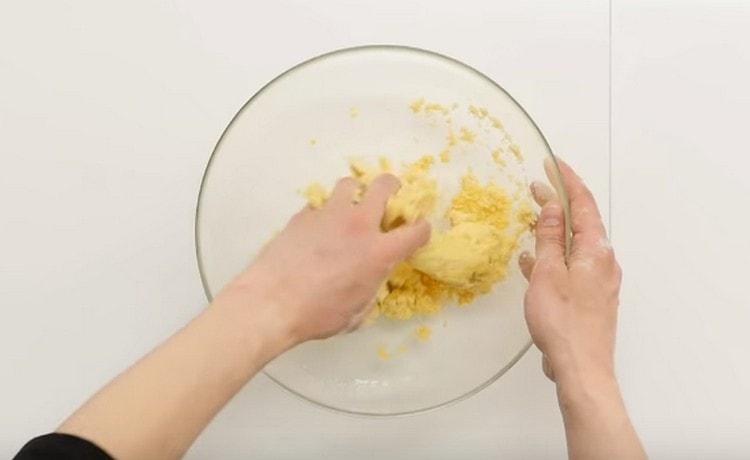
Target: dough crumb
(316, 195)
(435, 107)
(467, 135)
(497, 158)
(383, 353)
(445, 156)
(516, 150)
(451, 139)
(423, 333)
(417, 104)
(478, 112)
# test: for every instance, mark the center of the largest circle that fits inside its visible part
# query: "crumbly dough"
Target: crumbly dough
(461, 262)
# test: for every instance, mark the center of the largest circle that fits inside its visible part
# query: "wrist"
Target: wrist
(248, 307)
(586, 390)
(575, 371)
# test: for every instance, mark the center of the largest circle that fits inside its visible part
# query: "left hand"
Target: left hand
(571, 306)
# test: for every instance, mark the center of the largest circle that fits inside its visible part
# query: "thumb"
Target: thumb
(550, 235)
(401, 242)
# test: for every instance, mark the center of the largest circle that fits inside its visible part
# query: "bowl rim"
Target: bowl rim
(397, 48)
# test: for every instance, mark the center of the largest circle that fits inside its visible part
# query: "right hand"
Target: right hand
(571, 308)
(320, 274)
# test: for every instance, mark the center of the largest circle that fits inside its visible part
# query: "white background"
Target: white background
(109, 110)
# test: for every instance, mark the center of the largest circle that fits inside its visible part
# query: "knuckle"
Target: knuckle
(618, 273)
(357, 223)
(394, 181)
(385, 184)
(346, 182)
(551, 215)
(542, 265)
(383, 255)
(551, 234)
(579, 241)
(597, 250)
(544, 269)
(606, 256)
(389, 180)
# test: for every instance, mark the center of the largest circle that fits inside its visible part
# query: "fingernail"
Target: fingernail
(540, 190)
(394, 180)
(524, 256)
(534, 187)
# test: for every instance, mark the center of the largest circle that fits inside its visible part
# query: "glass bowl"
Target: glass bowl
(303, 127)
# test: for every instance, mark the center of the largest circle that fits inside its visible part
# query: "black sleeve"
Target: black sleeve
(60, 446)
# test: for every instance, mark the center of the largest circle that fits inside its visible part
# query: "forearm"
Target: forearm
(158, 407)
(597, 425)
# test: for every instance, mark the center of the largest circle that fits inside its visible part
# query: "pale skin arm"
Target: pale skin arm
(571, 311)
(317, 278)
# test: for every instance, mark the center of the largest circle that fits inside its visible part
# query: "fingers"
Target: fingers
(550, 235)
(550, 230)
(585, 218)
(343, 193)
(377, 195)
(526, 263)
(400, 243)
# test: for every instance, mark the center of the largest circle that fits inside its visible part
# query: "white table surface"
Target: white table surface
(108, 112)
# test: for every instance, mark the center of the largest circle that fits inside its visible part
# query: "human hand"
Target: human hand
(571, 309)
(321, 273)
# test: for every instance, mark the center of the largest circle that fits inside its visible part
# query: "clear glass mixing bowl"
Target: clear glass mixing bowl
(304, 126)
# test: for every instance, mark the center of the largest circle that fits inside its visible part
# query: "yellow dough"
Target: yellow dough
(465, 257)
(460, 263)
